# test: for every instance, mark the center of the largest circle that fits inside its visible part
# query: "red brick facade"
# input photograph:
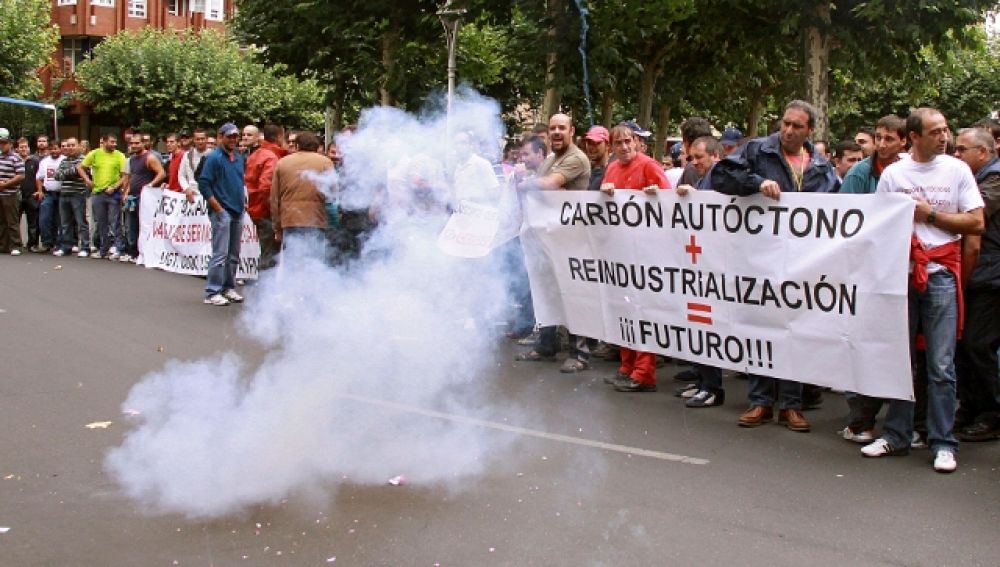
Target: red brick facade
(83, 23)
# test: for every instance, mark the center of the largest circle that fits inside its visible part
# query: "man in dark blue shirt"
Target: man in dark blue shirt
(221, 184)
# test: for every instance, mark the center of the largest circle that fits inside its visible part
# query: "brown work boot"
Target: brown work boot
(794, 420)
(756, 415)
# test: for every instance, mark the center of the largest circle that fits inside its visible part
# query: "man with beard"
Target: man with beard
(145, 170)
(29, 203)
(107, 165)
(595, 143)
(566, 168)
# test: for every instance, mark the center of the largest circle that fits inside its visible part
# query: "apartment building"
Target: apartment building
(84, 23)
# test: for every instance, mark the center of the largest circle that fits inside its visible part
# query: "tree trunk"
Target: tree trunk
(390, 41)
(816, 68)
(662, 130)
(328, 127)
(608, 108)
(552, 96)
(756, 110)
(649, 73)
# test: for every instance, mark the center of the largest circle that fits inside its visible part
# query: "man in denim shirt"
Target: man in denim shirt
(221, 184)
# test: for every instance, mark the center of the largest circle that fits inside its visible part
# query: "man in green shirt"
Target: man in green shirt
(109, 176)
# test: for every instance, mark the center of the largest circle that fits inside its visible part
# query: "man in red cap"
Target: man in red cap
(595, 145)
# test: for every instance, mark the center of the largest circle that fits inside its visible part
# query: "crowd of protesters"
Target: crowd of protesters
(85, 203)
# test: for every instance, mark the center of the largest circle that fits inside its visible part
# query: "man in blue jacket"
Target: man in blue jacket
(890, 145)
(978, 378)
(784, 161)
(221, 184)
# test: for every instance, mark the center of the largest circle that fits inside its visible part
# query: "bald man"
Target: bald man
(567, 167)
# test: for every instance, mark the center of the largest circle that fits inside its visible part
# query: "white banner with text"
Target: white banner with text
(176, 235)
(810, 287)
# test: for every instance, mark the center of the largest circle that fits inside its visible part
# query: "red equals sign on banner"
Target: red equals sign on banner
(700, 313)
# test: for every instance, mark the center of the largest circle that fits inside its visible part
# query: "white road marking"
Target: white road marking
(530, 432)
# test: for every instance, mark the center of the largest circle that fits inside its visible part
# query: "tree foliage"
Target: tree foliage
(27, 40)
(161, 81)
(734, 62)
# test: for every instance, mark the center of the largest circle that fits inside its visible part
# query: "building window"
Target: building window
(66, 3)
(74, 50)
(174, 7)
(137, 8)
(214, 10)
(106, 3)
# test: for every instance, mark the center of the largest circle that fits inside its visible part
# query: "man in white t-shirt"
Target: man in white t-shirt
(473, 176)
(47, 193)
(948, 205)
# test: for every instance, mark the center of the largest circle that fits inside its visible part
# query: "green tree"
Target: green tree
(27, 39)
(160, 81)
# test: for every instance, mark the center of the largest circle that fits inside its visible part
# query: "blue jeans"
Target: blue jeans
(934, 313)
(132, 230)
(225, 262)
(73, 217)
(761, 392)
(48, 219)
(107, 217)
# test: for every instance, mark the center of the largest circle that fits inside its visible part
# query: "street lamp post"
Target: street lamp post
(451, 19)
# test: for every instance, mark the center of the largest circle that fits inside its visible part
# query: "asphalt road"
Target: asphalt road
(598, 478)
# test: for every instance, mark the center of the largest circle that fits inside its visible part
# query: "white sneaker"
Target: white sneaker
(232, 296)
(96, 255)
(917, 442)
(82, 254)
(881, 448)
(59, 252)
(216, 299)
(945, 461)
(75, 249)
(865, 436)
(113, 256)
(124, 258)
(113, 250)
(15, 252)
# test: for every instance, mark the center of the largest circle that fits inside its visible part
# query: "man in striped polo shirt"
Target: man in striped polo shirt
(11, 175)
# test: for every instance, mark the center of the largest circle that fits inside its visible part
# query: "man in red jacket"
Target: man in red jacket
(259, 174)
(636, 171)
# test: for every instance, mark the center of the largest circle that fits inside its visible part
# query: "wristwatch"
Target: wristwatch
(931, 217)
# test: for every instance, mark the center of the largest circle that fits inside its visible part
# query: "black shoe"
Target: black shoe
(631, 385)
(615, 378)
(982, 431)
(706, 399)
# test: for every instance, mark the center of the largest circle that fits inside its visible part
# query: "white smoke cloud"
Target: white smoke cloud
(408, 325)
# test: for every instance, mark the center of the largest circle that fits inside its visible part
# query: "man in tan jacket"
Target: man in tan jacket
(298, 207)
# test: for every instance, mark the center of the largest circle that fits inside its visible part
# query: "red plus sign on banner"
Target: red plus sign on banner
(693, 249)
